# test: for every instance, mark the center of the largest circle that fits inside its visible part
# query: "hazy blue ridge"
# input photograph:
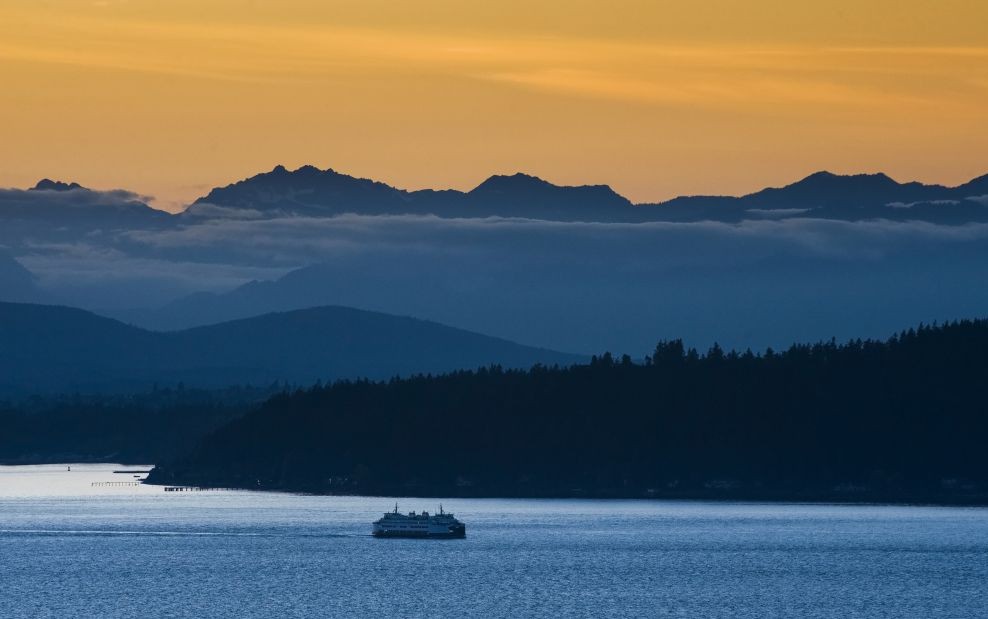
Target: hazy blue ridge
(49, 349)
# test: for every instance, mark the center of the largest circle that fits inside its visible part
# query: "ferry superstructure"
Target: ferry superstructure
(423, 525)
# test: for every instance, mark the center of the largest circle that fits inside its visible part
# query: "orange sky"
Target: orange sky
(656, 98)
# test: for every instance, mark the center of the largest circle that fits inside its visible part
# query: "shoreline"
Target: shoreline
(70, 461)
(979, 500)
(971, 498)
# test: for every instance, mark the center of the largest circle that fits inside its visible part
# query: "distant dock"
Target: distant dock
(189, 489)
(118, 484)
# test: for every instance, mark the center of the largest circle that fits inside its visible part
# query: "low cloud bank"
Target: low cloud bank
(33, 200)
(580, 287)
(661, 245)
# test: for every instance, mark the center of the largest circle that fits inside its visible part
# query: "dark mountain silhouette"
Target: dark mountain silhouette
(977, 187)
(824, 189)
(831, 196)
(307, 191)
(314, 192)
(521, 195)
(895, 420)
(46, 184)
(59, 349)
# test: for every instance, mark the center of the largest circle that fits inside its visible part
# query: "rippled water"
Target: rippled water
(69, 549)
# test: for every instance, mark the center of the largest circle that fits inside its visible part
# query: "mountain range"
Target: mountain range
(517, 257)
(309, 191)
(46, 349)
(831, 196)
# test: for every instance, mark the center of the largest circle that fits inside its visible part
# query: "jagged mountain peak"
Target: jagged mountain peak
(311, 191)
(826, 189)
(518, 180)
(306, 190)
(524, 195)
(827, 178)
(46, 184)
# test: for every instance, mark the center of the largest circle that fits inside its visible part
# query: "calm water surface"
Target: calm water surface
(69, 549)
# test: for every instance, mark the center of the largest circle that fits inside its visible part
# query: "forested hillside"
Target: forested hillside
(141, 428)
(902, 419)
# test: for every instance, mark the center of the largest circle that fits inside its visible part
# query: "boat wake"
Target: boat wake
(99, 533)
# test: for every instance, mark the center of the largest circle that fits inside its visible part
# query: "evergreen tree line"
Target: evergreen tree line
(141, 428)
(903, 418)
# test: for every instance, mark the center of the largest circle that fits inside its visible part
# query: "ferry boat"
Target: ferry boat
(439, 526)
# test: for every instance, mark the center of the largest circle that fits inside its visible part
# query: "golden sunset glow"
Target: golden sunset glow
(654, 98)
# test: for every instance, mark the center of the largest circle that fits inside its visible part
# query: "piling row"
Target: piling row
(189, 489)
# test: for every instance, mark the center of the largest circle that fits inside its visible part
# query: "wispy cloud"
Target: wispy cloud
(634, 71)
(34, 201)
(301, 240)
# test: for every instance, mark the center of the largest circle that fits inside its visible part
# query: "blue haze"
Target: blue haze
(577, 269)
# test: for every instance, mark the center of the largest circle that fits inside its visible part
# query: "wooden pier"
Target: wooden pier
(117, 484)
(189, 489)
